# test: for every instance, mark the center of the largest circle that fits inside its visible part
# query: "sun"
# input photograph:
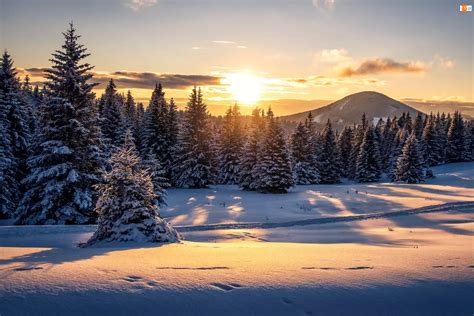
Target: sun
(245, 88)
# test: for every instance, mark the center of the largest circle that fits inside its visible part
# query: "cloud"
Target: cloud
(338, 56)
(136, 5)
(147, 80)
(443, 62)
(383, 65)
(137, 80)
(324, 5)
(224, 42)
(241, 46)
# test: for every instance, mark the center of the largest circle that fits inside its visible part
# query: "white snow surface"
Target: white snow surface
(345, 251)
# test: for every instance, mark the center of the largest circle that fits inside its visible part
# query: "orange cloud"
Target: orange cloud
(383, 65)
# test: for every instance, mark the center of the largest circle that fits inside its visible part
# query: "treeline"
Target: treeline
(58, 145)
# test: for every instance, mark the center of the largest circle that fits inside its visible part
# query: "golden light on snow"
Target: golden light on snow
(245, 88)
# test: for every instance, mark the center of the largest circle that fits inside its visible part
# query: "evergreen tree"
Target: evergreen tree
(127, 205)
(456, 140)
(431, 146)
(329, 157)
(418, 126)
(409, 166)
(396, 151)
(15, 118)
(192, 167)
(274, 167)
(358, 137)
(130, 112)
(344, 146)
(113, 127)
(230, 146)
(8, 184)
(248, 179)
(368, 161)
(302, 152)
(67, 159)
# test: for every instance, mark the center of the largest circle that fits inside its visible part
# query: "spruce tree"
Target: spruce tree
(192, 167)
(127, 205)
(357, 139)
(67, 159)
(113, 125)
(456, 140)
(274, 167)
(409, 167)
(8, 184)
(431, 147)
(329, 157)
(344, 146)
(15, 119)
(303, 162)
(368, 161)
(248, 178)
(230, 146)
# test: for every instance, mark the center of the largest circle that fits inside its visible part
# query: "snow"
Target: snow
(418, 262)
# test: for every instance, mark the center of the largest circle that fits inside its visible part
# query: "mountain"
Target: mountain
(349, 110)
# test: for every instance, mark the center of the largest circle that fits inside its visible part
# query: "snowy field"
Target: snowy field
(319, 250)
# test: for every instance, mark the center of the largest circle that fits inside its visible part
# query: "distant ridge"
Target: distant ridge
(349, 109)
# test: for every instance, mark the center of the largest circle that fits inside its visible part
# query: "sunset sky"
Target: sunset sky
(254, 51)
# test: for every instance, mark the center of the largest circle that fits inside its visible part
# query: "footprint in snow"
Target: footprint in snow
(359, 268)
(226, 287)
(287, 301)
(27, 268)
(133, 278)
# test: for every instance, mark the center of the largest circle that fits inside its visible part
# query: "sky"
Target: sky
(254, 52)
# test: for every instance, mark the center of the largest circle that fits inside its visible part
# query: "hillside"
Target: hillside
(349, 109)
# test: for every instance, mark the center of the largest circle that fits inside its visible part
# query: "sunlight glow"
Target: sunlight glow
(244, 87)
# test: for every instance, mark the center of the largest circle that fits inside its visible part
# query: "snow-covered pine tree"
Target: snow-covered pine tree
(388, 137)
(158, 177)
(155, 136)
(344, 147)
(192, 167)
(130, 112)
(172, 134)
(230, 145)
(113, 123)
(67, 159)
(358, 137)
(396, 151)
(418, 126)
(409, 167)
(329, 171)
(248, 178)
(127, 205)
(274, 167)
(17, 120)
(8, 184)
(368, 162)
(302, 153)
(456, 140)
(431, 148)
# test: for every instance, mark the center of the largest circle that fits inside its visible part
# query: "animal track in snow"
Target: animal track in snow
(226, 287)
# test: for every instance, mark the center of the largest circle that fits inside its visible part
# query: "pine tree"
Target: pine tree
(67, 159)
(192, 167)
(8, 184)
(302, 152)
(274, 167)
(15, 119)
(418, 126)
(396, 151)
(344, 146)
(328, 158)
(158, 177)
(127, 205)
(248, 178)
(409, 166)
(431, 147)
(113, 124)
(456, 140)
(130, 112)
(368, 161)
(358, 137)
(230, 146)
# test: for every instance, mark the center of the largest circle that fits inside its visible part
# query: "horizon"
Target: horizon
(139, 43)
